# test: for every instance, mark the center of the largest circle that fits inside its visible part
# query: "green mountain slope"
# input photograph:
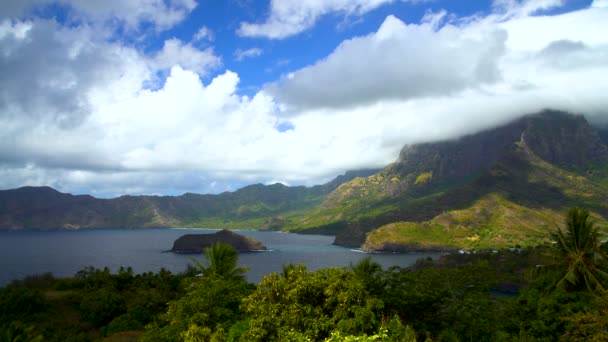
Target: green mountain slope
(256, 206)
(532, 169)
(499, 188)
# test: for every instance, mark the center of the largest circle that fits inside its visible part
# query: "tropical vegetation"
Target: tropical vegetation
(546, 293)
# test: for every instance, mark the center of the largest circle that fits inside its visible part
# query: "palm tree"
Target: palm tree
(578, 251)
(222, 260)
(19, 332)
(286, 269)
(370, 274)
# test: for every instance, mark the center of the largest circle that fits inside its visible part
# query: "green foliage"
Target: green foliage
(538, 315)
(222, 260)
(16, 331)
(90, 305)
(237, 330)
(369, 273)
(396, 331)
(101, 306)
(337, 336)
(423, 178)
(589, 325)
(455, 298)
(286, 269)
(393, 331)
(124, 322)
(135, 319)
(310, 305)
(491, 222)
(578, 254)
(18, 302)
(435, 299)
(211, 302)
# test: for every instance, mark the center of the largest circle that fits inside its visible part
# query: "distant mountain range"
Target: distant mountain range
(255, 206)
(502, 187)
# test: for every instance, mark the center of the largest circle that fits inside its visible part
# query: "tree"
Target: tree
(310, 306)
(19, 332)
(222, 260)
(578, 253)
(370, 274)
(101, 306)
(211, 306)
(286, 269)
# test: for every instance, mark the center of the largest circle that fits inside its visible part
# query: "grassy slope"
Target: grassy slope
(516, 214)
(491, 222)
(368, 198)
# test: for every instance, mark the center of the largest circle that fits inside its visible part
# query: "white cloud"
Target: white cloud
(164, 14)
(600, 3)
(523, 8)
(175, 52)
(399, 61)
(240, 54)
(290, 17)
(50, 71)
(77, 117)
(204, 33)
(533, 33)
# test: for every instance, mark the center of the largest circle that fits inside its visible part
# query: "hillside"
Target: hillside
(256, 206)
(524, 175)
(502, 187)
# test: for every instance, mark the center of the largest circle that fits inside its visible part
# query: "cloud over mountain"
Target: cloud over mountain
(82, 109)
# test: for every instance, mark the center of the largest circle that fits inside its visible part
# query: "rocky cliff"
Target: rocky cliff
(550, 160)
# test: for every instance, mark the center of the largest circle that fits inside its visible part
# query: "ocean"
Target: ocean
(65, 252)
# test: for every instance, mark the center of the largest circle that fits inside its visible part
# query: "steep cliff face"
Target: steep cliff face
(564, 140)
(561, 139)
(547, 160)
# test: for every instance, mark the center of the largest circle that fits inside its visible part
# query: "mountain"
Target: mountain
(501, 187)
(255, 206)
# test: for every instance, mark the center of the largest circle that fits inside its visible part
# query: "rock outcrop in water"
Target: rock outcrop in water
(196, 243)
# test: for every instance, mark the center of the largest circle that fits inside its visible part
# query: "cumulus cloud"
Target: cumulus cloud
(290, 17)
(398, 61)
(175, 52)
(79, 117)
(204, 33)
(240, 54)
(163, 14)
(403, 62)
(522, 8)
(49, 71)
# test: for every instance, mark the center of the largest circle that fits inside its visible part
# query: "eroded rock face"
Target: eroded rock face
(196, 243)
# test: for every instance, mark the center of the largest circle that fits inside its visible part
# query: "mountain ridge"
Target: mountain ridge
(545, 160)
(528, 171)
(45, 207)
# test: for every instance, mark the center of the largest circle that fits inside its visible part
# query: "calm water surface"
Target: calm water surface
(63, 253)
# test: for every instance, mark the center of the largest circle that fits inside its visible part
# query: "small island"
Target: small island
(196, 243)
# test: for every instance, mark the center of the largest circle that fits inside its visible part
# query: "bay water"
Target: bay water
(65, 252)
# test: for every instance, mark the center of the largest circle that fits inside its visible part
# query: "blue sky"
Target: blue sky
(172, 96)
